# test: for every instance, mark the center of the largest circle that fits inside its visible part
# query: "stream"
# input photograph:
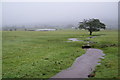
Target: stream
(84, 65)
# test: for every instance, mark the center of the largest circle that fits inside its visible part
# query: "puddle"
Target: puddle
(102, 57)
(98, 63)
(91, 37)
(83, 65)
(90, 42)
(74, 39)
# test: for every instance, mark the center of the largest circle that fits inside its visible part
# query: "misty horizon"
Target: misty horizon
(58, 14)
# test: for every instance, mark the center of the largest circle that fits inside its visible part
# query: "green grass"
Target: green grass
(38, 54)
(31, 54)
(108, 42)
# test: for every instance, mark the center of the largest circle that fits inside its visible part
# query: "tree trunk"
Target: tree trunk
(90, 32)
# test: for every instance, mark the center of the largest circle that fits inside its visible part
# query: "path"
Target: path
(83, 65)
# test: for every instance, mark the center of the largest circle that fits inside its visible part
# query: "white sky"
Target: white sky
(59, 0)
(58, 13)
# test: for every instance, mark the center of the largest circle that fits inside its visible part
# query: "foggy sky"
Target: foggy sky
(60, 13)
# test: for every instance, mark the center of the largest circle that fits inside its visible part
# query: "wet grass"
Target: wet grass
(38, 54)
(29, 54)
(109, 44)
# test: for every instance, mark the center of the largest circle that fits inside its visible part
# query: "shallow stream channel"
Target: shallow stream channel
(83, 66)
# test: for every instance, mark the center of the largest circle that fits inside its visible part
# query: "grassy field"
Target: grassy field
(108, 42)
(30, 54)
